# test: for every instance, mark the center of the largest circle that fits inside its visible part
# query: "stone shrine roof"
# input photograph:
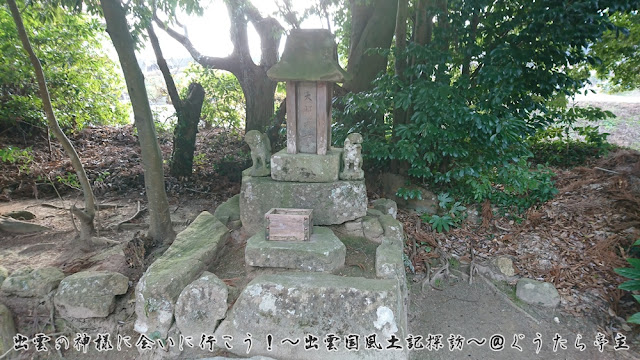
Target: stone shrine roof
(309, 55)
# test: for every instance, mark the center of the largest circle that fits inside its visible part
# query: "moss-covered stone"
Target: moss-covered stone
(229, 211)
(189, 255)
(7, 329)
(89, 294)
(27, 282)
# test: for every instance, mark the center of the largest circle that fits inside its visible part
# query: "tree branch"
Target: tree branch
(164, 68)
(229, 63)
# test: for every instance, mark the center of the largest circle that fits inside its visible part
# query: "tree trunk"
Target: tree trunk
(86, 217)
(258, 92)
(184, 135)
(373, 25)
(399, 115)
(188, 112)
(160, 227)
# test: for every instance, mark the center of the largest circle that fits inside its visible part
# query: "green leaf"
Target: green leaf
(630, 273)
(634, 262)
(635, 318)
(630, 285)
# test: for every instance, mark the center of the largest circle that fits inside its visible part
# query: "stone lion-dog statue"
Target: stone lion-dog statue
(260, 152)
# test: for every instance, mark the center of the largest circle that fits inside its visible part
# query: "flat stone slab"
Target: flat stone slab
(332, 203)
(27, 282)
(323, 252)
(193, 250)
(295, 306)
(306, 167)
(89, 294)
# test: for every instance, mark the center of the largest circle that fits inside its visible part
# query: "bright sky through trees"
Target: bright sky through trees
(210, 32)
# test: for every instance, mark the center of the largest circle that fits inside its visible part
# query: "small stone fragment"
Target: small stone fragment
(201, 305)
(27, 282)
(372, 229)
(352, 228)
(505, 265)
(537, 292)
(386, 206)
(90, 294)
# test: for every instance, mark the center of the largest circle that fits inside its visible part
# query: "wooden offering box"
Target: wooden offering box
(289, 224)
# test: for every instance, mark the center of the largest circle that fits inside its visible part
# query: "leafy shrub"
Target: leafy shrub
(83, 82)
(632, 273)
(20, 157)
(453, 214)
(224, 104)
(567, 144)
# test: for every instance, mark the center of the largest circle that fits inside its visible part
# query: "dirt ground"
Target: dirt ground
(573, 241)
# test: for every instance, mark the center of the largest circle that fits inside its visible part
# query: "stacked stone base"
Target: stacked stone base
(332, 202)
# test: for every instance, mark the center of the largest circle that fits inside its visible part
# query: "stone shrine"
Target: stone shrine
(307, 174)
(290, 204)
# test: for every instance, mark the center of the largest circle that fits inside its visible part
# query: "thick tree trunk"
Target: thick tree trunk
(373, 25)
(160, 227)
(184, 135)
(258, 92)
(86, 217)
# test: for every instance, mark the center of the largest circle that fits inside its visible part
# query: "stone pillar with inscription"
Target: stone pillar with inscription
(306, 174)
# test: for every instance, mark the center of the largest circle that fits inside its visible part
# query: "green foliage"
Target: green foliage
(70, 180)
(632, 273)
(453, 214)
(82, 80)
(474, 94)
(567, 144)
(20, 157)
(224, 104)
(619, 53)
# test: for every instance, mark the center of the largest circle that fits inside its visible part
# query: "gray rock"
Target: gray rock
(229, 211)
(372, 229)
(296, 304)
(306, 167)
(332, 203)
(351, 228)
(89, 294)
(27, 282)
(201, 305)
(374, 213)
(537, 292)
(386, 206)
(323, 252)
(7, 329)
(193, 250)
(392, 229)
(389, 263)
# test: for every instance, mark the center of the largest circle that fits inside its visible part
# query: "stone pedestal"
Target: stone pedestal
(332, 202)
(301, 167)
(323, 252)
